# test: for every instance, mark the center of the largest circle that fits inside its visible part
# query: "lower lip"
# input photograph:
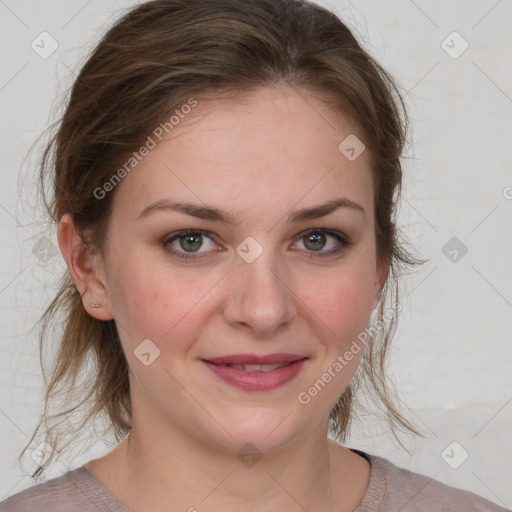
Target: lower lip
(256, 381)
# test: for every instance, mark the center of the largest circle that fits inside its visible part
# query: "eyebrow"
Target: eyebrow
(214, 214)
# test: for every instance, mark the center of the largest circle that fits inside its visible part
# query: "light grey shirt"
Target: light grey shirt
(391, 488)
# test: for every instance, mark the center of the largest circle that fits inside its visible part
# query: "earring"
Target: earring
(93, 305)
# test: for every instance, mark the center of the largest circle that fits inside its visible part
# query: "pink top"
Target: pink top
(391, 489)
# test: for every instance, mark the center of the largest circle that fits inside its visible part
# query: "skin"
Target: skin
(259, 157)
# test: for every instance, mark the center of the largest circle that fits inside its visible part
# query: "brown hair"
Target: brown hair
(152, 61)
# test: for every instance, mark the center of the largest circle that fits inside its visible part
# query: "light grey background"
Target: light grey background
(452, 354)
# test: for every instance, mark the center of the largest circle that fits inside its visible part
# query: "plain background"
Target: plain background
(452, 354)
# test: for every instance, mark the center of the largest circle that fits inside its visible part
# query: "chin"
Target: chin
(266, 429)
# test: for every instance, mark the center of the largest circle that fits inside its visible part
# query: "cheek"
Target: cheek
(145, 303)
(344, 305)
(153, 302)
(342, 300)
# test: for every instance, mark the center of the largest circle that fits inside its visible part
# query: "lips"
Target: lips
(256, 373)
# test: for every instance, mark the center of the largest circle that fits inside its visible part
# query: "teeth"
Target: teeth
(258, 367)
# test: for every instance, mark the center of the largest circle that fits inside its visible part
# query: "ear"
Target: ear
(381, 275)
(86, 269)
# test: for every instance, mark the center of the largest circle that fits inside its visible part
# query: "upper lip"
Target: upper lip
(255, 359)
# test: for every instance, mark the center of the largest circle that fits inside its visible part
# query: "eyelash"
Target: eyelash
(341, 238)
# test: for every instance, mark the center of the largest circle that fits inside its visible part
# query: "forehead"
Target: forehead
(270, 149)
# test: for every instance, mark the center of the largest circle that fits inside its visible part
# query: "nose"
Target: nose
(260, 298)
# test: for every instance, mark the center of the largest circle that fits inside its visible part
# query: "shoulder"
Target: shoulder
(395, 488)
(75, 490)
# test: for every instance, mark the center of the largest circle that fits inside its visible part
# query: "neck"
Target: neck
(186, 475)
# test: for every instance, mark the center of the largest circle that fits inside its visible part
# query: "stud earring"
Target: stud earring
(93, 305)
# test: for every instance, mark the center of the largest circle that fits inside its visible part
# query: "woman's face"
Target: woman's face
(268, 284)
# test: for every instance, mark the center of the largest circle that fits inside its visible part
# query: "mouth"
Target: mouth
(256, 373)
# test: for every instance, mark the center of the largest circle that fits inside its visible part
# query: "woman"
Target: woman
(225, 180)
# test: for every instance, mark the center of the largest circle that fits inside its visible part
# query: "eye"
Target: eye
(317, 239)
(190, 241)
